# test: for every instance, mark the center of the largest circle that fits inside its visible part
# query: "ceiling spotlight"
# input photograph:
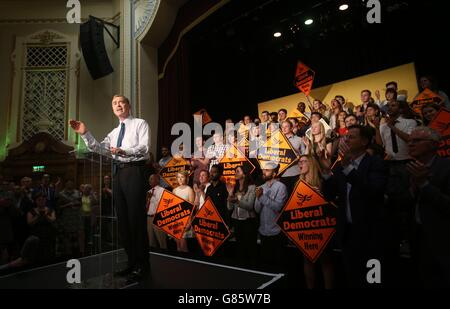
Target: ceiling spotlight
(294, 28)
(277, 34)
(343, 7)
(309, 21)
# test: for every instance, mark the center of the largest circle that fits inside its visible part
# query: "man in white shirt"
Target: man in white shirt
(290, 176)
(395, 135)
(128, 143)
(391, 88)
(156, 237)
(216, 152)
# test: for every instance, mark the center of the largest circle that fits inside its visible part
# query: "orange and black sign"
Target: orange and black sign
(308, 220)
(278, 149)
(173, 214)
(209, 227)
(441, 124)
(170, 170)
(205, 116)
(299, 115)
(232, 159)
(425, 97)
(304, 78)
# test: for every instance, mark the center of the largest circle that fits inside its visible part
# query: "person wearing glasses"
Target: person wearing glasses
(430, 188)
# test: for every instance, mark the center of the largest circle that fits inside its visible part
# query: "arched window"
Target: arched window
(47, 63)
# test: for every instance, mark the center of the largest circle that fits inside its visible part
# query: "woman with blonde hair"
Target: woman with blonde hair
(310, 173)
(187, 193)
(317, 142)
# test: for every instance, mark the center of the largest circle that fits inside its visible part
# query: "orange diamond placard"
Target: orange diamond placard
(304, 78)
(209, 227)
(169, 172)
(424, 98)
(206, 118)
(278, 149)
(441, 124)
(308, 220)
(231, 160)
(173, 214)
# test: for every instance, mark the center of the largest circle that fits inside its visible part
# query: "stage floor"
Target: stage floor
(167, 272)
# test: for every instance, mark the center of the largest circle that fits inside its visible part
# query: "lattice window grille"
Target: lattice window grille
(45, 90)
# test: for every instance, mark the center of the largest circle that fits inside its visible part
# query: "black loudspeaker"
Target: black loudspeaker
(93, 47)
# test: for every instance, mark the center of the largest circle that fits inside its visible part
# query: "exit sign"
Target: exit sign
(38, 168)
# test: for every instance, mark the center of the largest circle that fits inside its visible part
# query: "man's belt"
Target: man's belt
(121, 165)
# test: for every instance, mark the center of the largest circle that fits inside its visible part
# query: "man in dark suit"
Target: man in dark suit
(357, 183)
(430, 187)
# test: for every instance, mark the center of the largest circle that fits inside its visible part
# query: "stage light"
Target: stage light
(309, 21)
(277, 34)
(343, 7)
(294, 28)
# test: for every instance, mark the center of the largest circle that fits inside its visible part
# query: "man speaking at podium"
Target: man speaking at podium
(128, 144)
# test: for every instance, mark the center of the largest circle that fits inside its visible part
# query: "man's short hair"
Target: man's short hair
(350, 115)
(316, 113)
(265, 112)
(288, 122)
(393, 91)
(154, 175)
(368, 91)
(125, 99)
(339, 96)
(392, 83)
(274, 114)
(374, 106)
(283, 110)
(364, 132)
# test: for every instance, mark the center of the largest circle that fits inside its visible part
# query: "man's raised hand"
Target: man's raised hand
(78, 126)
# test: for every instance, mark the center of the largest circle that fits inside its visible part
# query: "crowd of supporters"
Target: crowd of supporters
(377, 161)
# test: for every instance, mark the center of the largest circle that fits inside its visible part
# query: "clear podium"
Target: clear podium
(103, 254)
